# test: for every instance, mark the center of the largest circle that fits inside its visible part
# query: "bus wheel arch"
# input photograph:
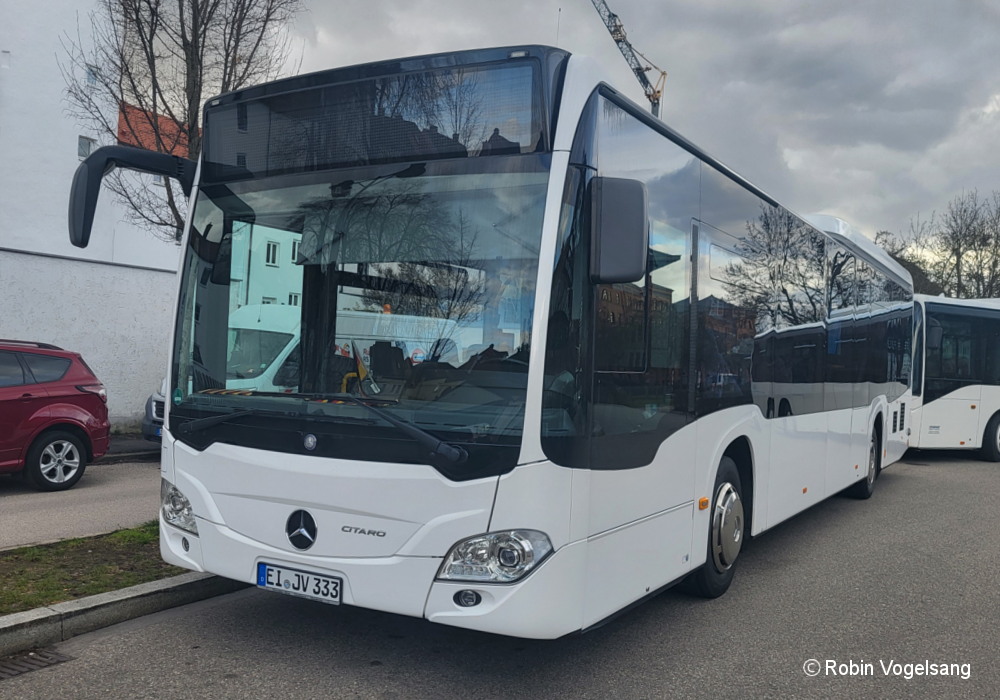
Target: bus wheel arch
(740, 451)
(991, 439)
(864, 488)
(879, 433)
(729, 522)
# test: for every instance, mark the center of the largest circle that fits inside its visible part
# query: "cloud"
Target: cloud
(870, 111)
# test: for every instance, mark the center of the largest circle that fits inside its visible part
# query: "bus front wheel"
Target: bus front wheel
(725, 535)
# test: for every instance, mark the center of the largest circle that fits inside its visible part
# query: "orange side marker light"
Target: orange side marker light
(702, 503)
(805, 489)
(973, 407)
(961, 442)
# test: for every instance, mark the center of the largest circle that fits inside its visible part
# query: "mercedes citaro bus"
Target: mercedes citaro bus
(644, 359)
(956, 375)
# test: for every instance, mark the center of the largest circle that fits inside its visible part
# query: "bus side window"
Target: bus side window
(642, 329)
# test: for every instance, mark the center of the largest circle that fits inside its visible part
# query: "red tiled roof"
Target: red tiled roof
(137, 127)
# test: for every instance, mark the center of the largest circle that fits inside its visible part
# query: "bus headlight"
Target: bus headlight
(497, 557)
(176, 508)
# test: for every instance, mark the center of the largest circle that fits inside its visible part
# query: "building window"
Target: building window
(159, 181)
(84, 147)
(271, 255)
(241, 160)
(293, 299)
(241, 117)
(295, 252)
(268, 300)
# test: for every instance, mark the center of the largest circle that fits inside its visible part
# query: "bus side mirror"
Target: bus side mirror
(620, 230)
(87, 181)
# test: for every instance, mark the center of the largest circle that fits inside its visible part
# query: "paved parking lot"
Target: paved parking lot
(107, 498)
(909, 576)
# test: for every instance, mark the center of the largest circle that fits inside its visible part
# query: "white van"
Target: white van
(263, 336)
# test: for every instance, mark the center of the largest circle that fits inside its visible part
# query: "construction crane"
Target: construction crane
(614, 25)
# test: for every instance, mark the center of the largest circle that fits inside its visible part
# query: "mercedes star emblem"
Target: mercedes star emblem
(301, 529)
(310, 442)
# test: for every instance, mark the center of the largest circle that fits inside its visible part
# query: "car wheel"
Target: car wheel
(56, 461)
(725, 535)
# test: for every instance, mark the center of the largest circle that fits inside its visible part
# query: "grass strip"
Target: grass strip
(52, 573)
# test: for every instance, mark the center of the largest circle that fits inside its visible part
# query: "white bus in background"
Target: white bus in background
(606, 421)
(956, 379)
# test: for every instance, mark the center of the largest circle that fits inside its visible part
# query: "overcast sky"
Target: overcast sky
(871, 111)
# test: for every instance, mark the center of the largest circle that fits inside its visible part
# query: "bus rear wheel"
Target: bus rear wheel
(991, 440)
(864, 489)
(725, 535)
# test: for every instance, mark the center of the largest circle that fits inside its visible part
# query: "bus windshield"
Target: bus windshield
(412, 286)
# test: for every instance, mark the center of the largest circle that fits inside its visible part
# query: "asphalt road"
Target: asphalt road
(107, 498)
(908, 576)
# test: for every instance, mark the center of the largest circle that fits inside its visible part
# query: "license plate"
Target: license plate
(159, 432)
(307, 584)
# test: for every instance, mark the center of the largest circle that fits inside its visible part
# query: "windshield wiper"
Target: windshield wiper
(453, 453)
(201, 423)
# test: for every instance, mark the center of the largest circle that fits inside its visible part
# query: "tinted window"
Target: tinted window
(615, 409)
(641, 329)
(734, 309)
(565, 414)
(862, 333)
(456, 112)
(956, 359)
(46, 368)
(10, 370)
(918, 350)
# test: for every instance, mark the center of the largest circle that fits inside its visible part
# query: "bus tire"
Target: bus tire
(725, 535)
(864, 489)
(991, 440)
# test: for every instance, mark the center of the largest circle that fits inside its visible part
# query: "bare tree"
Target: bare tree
(958, 236)
(780, 272)
(143, 73)
(982, 265)
(449, 285)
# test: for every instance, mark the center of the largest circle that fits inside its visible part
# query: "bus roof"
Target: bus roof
(860, 243)
(968, 303)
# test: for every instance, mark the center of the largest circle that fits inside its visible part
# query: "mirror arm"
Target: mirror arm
(89, 174)
(143, 161)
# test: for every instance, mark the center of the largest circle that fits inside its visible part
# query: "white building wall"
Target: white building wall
(117, 317)
(115, 310)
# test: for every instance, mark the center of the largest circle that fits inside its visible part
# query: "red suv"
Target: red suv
(53, 414)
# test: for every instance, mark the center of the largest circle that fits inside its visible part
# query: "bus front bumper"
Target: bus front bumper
(546, 604)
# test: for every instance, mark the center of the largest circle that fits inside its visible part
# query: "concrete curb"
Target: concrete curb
(57, 623)
(119, 457)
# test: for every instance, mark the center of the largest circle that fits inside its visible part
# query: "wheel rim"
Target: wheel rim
(60, 460)
(872, 460)
(727, 527)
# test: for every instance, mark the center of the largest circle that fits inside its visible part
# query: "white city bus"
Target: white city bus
(956, 375)
(607, 417)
